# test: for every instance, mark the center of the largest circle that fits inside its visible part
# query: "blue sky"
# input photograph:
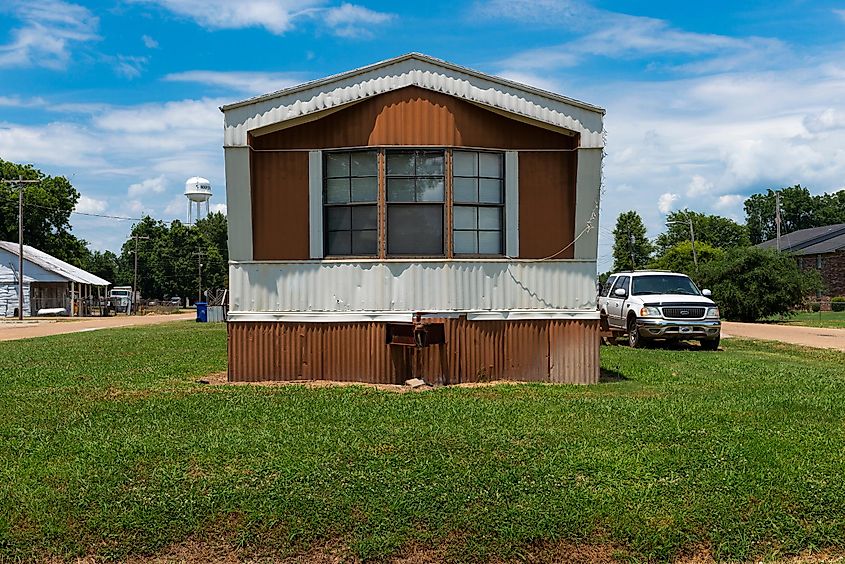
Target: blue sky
(706, 102)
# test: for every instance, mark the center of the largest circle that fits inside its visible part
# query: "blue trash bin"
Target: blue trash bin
(202, 312)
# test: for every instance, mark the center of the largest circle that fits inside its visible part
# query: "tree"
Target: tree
(631, 247)
(103, 265)
(679, 258)
(168, 262)
(750, 283)
(799, 210)
(716, 230)
(47, 206)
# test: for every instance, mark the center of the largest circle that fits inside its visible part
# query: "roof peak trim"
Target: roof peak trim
(413, 70)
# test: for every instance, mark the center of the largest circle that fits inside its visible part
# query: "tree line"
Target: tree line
(168, 260)
(749, 283)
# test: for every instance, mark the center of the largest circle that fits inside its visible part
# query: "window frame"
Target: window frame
(500, 206)
(382, 202)
(350, 204)
(443, 203)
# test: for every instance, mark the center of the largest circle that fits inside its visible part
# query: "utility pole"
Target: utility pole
(777, 217)
(21, 183)
(199, 254)
(135, 279)
(691, 236)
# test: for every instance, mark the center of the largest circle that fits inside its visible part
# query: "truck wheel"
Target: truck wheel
(634, 339)
(710, 344)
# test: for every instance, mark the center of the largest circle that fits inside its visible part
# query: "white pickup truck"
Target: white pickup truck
(651, 305)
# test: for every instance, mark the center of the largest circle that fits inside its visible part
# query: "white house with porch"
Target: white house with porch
(50, 284)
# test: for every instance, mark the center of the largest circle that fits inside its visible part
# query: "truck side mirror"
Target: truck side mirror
(706, 293)
(620, 292)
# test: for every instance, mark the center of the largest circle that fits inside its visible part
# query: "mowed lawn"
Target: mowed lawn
(827, 319)
(109, 447)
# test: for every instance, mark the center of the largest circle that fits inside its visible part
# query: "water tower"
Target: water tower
(198, 191)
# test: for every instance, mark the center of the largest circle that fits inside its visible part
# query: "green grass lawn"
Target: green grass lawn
(108, 447)
(826, 319)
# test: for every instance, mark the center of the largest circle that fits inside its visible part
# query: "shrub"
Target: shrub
(837, 303)
(815, 307)
(679, 258)
(750, 283)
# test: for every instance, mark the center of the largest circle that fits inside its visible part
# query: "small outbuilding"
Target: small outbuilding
(50, 284)
(413, 218)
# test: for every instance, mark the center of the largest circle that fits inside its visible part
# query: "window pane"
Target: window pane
(415, 229)
(337, 164)
(430, 164)
(466, 242)
(338, 218)
(364, 163)
(465, 190)
(490, 164)
(489, 218)
(400, 189)
(339, 243)
(490, 191)
(489, 242)
(465, 217)
(365, 189)
(364, 217)
(337, 190)
(364, 242)
(464, 163)
(429, 189)
(401, 164)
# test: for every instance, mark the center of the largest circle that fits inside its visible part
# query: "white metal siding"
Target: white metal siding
(418, 286)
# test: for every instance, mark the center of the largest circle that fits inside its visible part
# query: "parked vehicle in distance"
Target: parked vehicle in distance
(176, 301)
(656, 305)
(120, 299)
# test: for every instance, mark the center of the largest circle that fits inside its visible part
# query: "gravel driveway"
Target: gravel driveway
(806, 336)
(11, 330)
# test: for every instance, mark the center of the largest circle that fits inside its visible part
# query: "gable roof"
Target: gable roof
(52, 264)
(413, 69)
(812, 241)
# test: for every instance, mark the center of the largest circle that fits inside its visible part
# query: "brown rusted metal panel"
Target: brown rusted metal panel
(280, 206)
(546, 203)
(415, 116)
(574, 351)
(474, 351)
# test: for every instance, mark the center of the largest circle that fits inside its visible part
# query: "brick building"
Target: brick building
(821, 249)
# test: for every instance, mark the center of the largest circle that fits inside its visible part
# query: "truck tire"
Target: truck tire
(710, 344)
(634, 339)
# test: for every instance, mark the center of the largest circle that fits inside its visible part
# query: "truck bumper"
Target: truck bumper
(678, 329)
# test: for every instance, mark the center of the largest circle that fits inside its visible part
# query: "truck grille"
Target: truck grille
(683, 312)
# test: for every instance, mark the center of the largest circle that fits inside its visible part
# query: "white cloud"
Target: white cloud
(37, 144)
(149, 186)
(87, 204)
(728, 201)
(699, 186)
(276, 16)
(244, 82)
(349, 20)
(840, 13)
(666, 201)
(827, 120)
(149, 42)
(219, 208)
(50, 28)
(128, 66)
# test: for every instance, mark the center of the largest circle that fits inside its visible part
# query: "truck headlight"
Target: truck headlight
(649, 312)
(713, 312)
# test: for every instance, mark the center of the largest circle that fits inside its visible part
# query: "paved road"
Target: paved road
(11, 330)
(796, 335)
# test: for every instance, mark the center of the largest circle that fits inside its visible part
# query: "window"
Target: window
(621, 282)
(415, 200)
(478, 196)
(608, 286)
(350, 196)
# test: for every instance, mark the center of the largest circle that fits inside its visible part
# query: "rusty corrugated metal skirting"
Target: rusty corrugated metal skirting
(563, 351)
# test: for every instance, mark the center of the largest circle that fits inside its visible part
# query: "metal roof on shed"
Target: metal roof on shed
(54, 265)
(812, 241)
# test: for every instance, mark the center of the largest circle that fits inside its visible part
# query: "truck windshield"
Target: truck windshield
(663, 284)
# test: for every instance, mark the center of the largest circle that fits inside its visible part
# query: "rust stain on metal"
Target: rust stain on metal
(474, 351)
